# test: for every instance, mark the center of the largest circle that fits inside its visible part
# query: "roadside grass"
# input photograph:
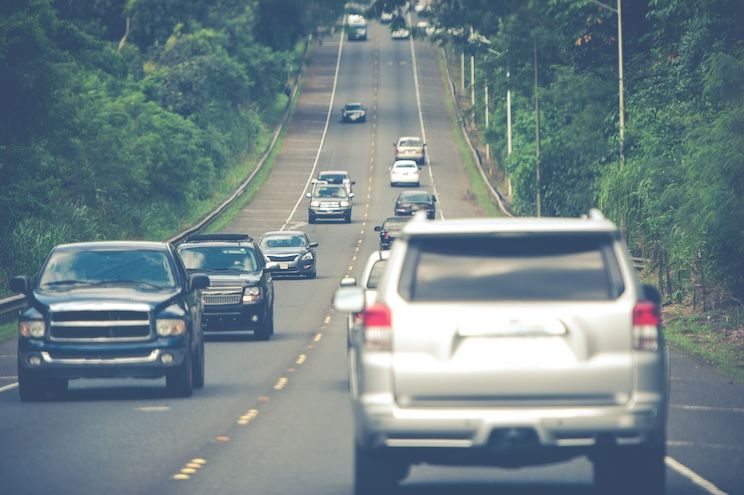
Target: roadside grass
(716, 337)
(8, 330)
(228, 216)
(478, 188)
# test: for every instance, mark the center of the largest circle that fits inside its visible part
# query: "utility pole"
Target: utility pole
(620, 80)
(508, 116)
(488, 145)
(462, 71)
(472, 80)
(538, 199)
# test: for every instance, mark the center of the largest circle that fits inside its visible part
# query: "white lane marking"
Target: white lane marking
(9, 377)
(12, 356)
(323, 137)
(8, 387)
(693, 476)
(712, 446)
(152, 409)
(421, 120)
(686, 407)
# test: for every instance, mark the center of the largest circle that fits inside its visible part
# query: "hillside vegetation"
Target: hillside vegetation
(126, 118)
(678, 193)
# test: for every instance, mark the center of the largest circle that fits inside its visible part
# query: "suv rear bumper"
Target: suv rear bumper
(572, 428)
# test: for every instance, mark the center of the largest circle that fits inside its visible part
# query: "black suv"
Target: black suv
(109, 310)
(241, 290)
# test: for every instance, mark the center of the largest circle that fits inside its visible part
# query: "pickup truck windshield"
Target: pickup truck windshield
(219, 258)
(67, 269)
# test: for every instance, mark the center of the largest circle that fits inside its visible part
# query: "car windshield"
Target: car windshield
(550, 267)
(353, 106)
(332, 178)
(239, 258)
(405, 165)
(107, 267)
(283, 241)
(376, 274)
(415, 197)
(331, 192)
(410, 142)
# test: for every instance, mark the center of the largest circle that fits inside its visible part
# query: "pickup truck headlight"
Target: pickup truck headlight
(252, 294)
(32, 328)
(344, 204)
(307, 256)
(170, 327)
(314, 204)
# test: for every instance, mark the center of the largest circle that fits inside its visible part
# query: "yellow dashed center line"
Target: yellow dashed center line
(301, 359)
(318, 336)
(281, 383)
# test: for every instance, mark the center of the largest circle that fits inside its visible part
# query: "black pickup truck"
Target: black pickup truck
(110, 310)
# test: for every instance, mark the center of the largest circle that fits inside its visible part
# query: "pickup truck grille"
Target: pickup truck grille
(100, 326)
(222, 295)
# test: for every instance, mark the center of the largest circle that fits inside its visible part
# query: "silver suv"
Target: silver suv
(509, 342)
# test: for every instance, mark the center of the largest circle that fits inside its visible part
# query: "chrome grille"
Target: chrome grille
(290, 257)
(100, 326)
(329, 204)
(222, 295)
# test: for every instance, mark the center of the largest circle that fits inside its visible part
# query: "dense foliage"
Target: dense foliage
(678, 193)
(117, 117)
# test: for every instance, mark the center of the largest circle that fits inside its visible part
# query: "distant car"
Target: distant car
(390, 229)
(240, 296)
(405, 172)
(409, 202)
(369, 281)
(293, 252)
(356, 27)
(386, 17)
(329, 201)
(110, 309)
(410, 148)
(336, 177)
(354, 112)
(401, 33)
(509, 342)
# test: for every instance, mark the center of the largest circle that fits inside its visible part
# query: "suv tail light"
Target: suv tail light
(646, 321)
(378, 331)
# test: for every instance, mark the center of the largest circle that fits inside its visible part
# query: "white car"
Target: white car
(386, 17)
(401, 34)
(404, 172)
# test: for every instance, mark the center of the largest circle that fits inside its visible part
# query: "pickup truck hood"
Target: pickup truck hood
(104, 297)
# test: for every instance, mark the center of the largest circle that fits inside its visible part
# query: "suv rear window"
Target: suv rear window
(511, 268)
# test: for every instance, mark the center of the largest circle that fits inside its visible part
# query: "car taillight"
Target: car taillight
(646, 322)
(378, 331)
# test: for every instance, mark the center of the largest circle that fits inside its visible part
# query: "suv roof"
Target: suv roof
(220, 236)
(496, 225)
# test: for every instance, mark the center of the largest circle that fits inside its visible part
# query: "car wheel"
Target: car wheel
(312, 274)
(267, 329)
(431, 215)
(197, 367)
(179, 381)
(612, 471)
(375, 473)
(311, 219)
(33, 388)
(347, 218)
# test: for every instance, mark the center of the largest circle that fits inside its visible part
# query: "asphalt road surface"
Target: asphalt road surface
(274, 417)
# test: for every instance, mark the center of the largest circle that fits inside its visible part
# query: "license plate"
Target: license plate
(283, 266)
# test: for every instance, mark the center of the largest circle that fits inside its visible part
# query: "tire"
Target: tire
(311, 219)
(432, 215)
(197, 367)
(347, 218)
(179, 381)
(267, 329)
(637, 470)
(34, 389)
(312, 274)
(375, 473)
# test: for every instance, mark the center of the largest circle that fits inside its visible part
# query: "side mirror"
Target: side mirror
(272, 266)
(351, 195)
(353, 183)
(349, 299)
(378, 228)
(199, 281)
(652, 294)
(313, 244)
(434, 198)
(20, 284)
(308, 195)
(348, 282)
